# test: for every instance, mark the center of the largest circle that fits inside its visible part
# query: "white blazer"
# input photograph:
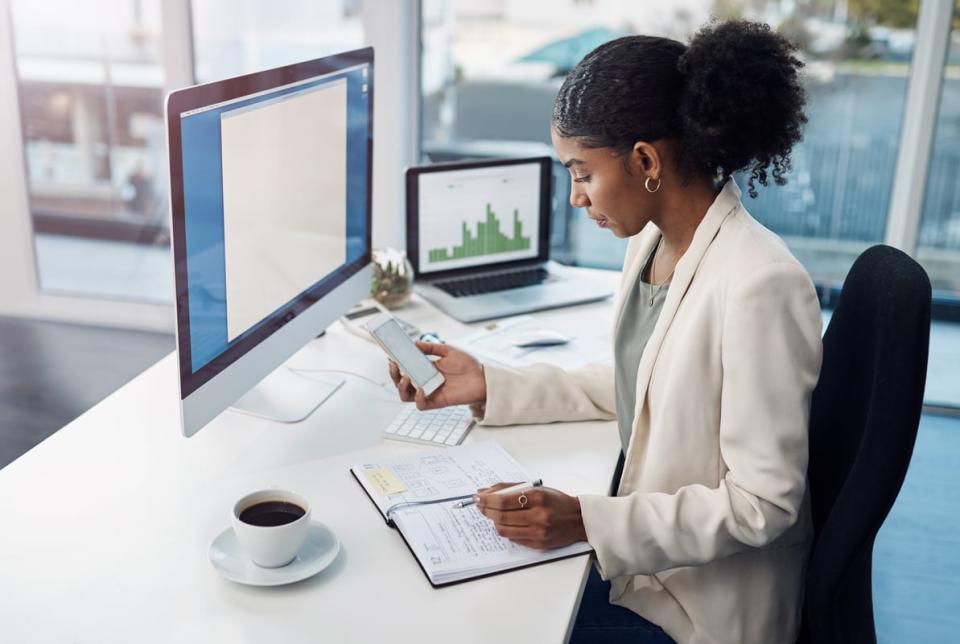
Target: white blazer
(708, 534)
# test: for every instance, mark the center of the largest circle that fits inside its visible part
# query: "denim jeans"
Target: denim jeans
(602, 622)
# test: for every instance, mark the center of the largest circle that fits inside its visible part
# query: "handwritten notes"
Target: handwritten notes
(416, 492)
(454, 544)
(437, 474)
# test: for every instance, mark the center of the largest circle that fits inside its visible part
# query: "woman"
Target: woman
(717, 346)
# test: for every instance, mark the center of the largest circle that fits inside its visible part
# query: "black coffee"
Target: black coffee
(272, 513)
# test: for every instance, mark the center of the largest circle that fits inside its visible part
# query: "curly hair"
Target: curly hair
(732, 98)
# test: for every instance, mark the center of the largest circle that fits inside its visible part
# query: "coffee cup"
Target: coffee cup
(271, 525)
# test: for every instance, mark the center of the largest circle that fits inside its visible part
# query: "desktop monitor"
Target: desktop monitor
(270, 197)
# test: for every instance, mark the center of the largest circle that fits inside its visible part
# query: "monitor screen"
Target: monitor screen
(479, 215)
(274, 203)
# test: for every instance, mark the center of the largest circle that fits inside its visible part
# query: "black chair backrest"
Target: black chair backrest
(863, 425)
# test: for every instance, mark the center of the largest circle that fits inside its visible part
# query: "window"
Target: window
(938, 241)
(939, 234)
(491, 71)
(90, 85)
(91, 80)
(233, 37)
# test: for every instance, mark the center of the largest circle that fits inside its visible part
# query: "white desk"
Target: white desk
(104, 527)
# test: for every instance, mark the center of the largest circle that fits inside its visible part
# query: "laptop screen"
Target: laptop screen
(480, 214)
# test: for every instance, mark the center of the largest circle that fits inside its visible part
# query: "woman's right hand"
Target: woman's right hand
(463, 384)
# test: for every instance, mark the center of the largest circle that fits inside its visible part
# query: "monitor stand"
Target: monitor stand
(286, 396)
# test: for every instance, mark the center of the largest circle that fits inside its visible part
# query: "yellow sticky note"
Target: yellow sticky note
(384, 481)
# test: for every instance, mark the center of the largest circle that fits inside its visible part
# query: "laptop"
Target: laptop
(478, 236)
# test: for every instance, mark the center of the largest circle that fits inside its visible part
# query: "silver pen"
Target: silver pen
(513, 488)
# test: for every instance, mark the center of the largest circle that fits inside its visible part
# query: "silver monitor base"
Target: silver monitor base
(286, 396)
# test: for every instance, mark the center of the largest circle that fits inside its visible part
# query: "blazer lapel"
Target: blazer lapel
(725, 203)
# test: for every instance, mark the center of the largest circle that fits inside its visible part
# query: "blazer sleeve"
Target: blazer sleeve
(771, 353)
(543, 393)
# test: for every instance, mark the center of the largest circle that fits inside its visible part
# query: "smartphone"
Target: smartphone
(401, 349)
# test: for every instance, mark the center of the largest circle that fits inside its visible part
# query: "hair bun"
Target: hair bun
(742, 104)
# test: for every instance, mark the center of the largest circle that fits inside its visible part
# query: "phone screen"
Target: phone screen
(411, 359)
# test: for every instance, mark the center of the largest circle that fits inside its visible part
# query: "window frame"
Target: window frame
(20, 292)
(392, 28)
(917, 129)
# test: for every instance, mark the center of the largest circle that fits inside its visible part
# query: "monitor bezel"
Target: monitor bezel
(413, 213)
(200, 96)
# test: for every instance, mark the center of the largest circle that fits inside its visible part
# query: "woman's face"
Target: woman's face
(613, 197)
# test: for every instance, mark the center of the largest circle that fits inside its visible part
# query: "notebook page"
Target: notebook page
(453, 472)
(457, 543)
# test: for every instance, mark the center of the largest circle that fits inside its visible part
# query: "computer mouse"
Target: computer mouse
(538, 338)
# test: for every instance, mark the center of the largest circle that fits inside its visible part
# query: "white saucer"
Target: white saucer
(318, 551)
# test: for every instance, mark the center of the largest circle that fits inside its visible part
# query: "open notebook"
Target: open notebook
(416, 494)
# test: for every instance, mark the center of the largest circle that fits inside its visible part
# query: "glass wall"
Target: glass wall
(90, 85)
(491, 70)
(939, 236)
(233, 37)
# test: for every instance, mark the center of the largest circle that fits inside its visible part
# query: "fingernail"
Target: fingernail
(476, 499)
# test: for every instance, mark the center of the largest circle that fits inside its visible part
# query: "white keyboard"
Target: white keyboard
(447, 426)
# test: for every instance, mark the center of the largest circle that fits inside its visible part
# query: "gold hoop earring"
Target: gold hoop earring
(646, 184)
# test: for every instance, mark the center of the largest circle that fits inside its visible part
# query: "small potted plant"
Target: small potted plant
(392, 282)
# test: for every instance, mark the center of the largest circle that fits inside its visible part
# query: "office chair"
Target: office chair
(863, 424)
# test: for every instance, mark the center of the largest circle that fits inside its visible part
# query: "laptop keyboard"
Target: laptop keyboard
(490, 283)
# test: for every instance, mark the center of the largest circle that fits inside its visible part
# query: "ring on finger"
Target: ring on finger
(522, 500)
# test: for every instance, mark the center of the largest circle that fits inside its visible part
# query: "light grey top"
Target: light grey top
(640, 313)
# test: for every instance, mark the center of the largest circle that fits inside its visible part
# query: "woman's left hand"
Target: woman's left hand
(548, 519)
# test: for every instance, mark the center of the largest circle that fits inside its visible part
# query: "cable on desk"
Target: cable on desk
(386, 386)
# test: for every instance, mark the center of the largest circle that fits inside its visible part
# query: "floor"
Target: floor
(916, 558)
(50, 373)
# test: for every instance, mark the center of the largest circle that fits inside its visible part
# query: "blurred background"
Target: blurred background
(90, 79)
(492, 69)
(85, 297)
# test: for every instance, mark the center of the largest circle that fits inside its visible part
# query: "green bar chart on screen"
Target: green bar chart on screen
(487, 239)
